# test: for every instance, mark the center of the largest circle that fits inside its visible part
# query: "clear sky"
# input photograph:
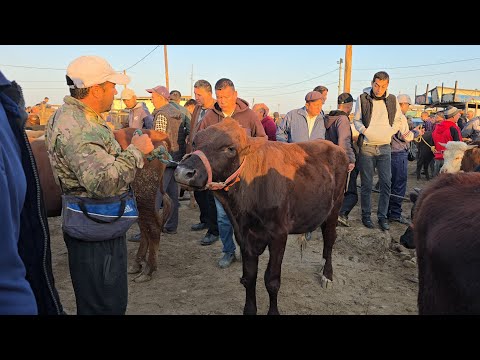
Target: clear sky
(278, 75)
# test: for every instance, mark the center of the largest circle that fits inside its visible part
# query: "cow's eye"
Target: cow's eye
(231, 148)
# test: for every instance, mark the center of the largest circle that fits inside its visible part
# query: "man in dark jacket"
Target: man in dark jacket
(339, 131)
(26, 278)
(229, 105)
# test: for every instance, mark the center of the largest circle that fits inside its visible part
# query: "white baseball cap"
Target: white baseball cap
(127, 94)
(404, 98)
(87, 71)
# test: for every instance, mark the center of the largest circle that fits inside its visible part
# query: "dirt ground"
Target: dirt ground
(371, 275)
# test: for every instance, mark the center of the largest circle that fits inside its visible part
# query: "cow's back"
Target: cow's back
(287, 181)
(51, 191)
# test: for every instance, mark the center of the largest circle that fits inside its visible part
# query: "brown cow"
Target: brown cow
(145, 185)
(148, 181)
(448, 245)
(269, 190)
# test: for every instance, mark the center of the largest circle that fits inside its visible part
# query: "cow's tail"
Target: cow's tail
(164, 214)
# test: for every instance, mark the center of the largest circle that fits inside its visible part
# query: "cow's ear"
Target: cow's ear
(443, 144)
(252, 145)
(471, 147)
(413, 197)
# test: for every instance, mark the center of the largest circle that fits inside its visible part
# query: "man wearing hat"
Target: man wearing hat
(399, 165)
(138, 116)
(167, 118)
(339, 132)
(87, 161)
(444, 132)
(305, 123)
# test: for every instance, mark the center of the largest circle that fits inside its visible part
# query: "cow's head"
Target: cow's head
(219, 152)
(453, 155)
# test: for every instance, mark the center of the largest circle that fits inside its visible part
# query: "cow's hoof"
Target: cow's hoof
(326, 283)
(134, 268)
(142, 278)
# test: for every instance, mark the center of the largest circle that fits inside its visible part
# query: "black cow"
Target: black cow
(448, 245)
(274, 189)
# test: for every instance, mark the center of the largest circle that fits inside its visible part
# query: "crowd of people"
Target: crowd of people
(87, 161)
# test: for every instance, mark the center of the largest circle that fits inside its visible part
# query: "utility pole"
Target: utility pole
(340, 62)
(191, 84)
(348, 68)
(166, 66)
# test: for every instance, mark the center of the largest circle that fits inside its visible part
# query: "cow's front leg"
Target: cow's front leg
(249, 280)
(329, 232)
(274, 271)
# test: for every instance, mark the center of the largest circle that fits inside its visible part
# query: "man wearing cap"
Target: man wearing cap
(305, 123)
(261, 110)
(377, 117)
(339, 132)
(138, 116)
(399, 164)
(230, 105)
(444, 132)
(167, 118)
(88, 161)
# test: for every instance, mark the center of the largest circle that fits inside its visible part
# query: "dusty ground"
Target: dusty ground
(370, 275)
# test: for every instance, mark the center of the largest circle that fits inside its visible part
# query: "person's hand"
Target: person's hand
(143, 143)
(351, 166)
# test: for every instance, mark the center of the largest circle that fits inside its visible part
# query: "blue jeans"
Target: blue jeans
(225, 229)
(399, 183)
(379, 157)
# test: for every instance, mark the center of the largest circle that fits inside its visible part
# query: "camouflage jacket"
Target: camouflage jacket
(84, 154)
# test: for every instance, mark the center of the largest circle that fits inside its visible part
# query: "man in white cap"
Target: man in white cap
(88, 161)
(138, 116)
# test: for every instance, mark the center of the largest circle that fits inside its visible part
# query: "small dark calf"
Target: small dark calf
(424, 154)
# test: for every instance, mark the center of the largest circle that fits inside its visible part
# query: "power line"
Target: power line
(41, 81)
(417, 76)
(155, 48)
(32, 67)
(277, 87)
(414, 66)
(292, 92)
